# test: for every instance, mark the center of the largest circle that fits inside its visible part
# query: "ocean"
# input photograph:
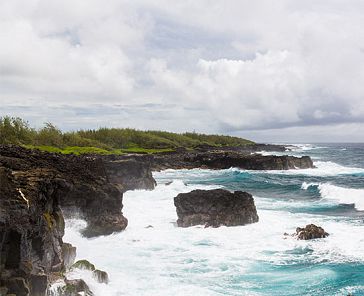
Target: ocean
(255, 259)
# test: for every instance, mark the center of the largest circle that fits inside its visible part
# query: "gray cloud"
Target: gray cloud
(262, 68)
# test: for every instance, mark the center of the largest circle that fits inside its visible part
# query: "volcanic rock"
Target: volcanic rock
(311, 231)
(215, 208)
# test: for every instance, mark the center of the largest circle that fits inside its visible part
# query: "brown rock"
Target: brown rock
(311, 231)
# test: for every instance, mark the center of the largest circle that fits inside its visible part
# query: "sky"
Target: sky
(272, 71)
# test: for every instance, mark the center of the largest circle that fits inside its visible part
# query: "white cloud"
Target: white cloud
(215, 66)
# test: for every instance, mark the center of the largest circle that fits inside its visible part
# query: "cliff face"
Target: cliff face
(82, 181)
(37, 189)
(227, 159)
(130, 172)
(31, 230)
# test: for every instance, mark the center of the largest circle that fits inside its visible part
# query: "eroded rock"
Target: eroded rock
(215, 208)
(101, 276)
(68, 254)
(311, 231)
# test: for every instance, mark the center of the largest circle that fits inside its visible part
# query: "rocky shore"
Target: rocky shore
(38, 190)
(224, 159)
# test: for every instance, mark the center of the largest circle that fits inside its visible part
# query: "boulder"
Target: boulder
(84, 264)
(311, 231)
(101, 276)
(215, 208)
(76, 287)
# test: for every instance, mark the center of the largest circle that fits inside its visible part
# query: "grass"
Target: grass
(14, 130)
(76, 150)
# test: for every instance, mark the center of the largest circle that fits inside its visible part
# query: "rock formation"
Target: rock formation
(31, 230)
(215, 208)
(226, 159)
(80, 184)
(36, 190)
(311, 231)
(130, 172)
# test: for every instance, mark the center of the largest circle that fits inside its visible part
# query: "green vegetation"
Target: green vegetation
(105, 140)
(83, 264)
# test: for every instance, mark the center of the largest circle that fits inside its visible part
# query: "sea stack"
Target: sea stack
(214, 208)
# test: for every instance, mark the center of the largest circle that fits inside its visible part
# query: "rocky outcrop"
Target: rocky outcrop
(31, 230)
(68, 254)
(311, 231)
(35, 190)
(100, 276)
(130, 172)
(76, 287)
(82, 185)
(215, 208)
(228, 159)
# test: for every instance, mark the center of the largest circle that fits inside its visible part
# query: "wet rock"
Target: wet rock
(30, 238)
(84, 264)
(17, 286)
(214, 208)
(101, 276)
(76, 287)
(3, 291)
(311, 231)
(68, 254)
(130, 172)
(224, 159)
(77, 183)
(38, 284)
(36, 188)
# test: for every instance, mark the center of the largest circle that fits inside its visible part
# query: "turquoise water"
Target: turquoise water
(256, 259)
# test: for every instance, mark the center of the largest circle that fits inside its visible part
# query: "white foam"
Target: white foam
(343, 195)
(322, 168)
(167, 260)
(306, 185)
(339, 194)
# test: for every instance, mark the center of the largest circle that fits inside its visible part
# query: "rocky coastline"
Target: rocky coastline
(38, 190)
(224, 159)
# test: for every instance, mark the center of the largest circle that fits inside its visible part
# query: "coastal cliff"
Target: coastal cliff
(224, 159)
(39, 189)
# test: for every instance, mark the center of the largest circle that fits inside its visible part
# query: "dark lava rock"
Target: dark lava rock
(224, 159)
(36, 190)
(75, 288)
(130, 172)
(311, 231)
(215, 208)
(18, 286)
(84, 264)
(77, 184)
(31, 230)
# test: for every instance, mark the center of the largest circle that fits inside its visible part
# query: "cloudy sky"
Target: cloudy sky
(274, 71)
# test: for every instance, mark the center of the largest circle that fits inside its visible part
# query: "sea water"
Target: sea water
(154, 257)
